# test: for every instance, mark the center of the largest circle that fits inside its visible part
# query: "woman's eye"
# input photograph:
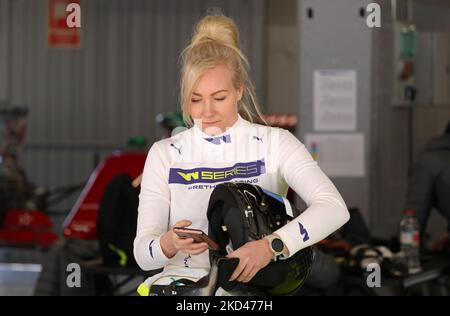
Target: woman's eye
(195, 101)
(220, 99)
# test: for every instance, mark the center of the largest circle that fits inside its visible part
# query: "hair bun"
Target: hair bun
(216, 28)
(215, 41)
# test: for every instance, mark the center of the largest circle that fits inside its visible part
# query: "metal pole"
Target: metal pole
(394, 10)
(410, 11)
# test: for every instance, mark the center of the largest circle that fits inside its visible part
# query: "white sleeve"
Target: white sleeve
(153, 211)
(326, 210)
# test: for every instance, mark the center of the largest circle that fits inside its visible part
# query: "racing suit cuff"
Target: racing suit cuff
(156, 253)
(290, 244)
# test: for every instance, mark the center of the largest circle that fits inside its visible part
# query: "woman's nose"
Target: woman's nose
(208, 108)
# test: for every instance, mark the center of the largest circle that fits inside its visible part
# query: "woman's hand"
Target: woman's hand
(253, 256)
(171, 243)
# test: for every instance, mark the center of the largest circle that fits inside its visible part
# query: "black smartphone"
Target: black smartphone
(197, 235)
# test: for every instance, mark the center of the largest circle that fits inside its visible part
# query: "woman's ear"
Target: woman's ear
(240, 92)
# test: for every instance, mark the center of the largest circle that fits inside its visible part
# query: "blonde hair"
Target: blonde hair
(216, 41)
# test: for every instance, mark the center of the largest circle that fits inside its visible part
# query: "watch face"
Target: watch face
(277, 245)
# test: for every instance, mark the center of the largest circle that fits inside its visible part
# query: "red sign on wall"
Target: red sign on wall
(60, 35)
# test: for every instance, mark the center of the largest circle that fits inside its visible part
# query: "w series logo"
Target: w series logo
(211, 175)
(303, 232)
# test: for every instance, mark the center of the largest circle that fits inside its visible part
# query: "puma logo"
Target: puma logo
(258, 138)
(178, 149)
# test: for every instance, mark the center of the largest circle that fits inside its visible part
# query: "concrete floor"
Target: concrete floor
(19, 270)
(18, 279)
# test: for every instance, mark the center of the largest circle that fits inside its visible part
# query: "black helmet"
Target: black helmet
(241, 212)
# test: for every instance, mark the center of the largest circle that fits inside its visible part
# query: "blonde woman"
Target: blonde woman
(224, 143)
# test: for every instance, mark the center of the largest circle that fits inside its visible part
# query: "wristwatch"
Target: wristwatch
(276, 245)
